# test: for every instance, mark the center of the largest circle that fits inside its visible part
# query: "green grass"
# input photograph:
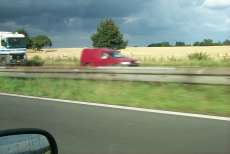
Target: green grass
(205, 99)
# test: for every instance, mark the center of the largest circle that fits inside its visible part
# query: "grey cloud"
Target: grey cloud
(71, 22)
(82, 8)
(216, 4)
(54, 14)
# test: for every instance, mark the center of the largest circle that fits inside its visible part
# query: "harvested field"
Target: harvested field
(176, 52)
(140, 52)
(148, 56)
(56, 53)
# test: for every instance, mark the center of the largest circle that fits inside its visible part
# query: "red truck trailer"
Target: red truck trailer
(105, 57)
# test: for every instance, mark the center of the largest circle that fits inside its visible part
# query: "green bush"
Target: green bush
(40, 41)
(180, 44)
(207, 42)
(35, 61)
(198, 56)
(160, 44)
(226, 42)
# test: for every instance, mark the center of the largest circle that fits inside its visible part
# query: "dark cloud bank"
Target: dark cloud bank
(71, 22)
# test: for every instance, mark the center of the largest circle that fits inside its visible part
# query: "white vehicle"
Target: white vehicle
(12, 48)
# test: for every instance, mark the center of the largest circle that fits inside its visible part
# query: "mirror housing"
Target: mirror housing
(3, 43)
(105, 56)
(30, 141)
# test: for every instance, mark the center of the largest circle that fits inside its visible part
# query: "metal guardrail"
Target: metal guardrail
(194, 75)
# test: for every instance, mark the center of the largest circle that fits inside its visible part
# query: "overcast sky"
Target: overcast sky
(70, 23)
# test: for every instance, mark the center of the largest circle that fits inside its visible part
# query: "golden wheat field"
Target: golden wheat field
(139, 52)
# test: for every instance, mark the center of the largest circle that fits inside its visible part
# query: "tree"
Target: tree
(27, 37)
(22, 31)
(196, 44)
(207, 42)
(161, 44)
(108, 35)
(41, 41)
(180, 44)
(226, 42)
(218, 44)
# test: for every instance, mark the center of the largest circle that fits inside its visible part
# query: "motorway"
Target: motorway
(82, 129)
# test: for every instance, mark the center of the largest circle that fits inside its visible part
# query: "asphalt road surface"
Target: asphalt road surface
(81, 129)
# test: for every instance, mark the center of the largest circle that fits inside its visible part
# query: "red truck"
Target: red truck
(105, 57)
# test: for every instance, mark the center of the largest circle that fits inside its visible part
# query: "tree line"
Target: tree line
(205, 42)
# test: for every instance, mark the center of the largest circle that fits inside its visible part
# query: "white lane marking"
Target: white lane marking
(124, 107)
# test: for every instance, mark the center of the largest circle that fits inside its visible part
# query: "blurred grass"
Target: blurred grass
(205, 99)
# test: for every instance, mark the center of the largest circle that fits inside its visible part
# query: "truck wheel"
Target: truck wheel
(3, 60)
(87, 65)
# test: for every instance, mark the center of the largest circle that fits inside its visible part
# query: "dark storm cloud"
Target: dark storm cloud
(68, 8)
(57, 15)
(71, 22)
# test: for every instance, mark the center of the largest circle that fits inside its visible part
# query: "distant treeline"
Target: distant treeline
(205, 42)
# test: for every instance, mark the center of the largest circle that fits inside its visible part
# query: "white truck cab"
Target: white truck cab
(12, 48)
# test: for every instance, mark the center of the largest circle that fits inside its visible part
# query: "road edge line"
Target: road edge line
(201, 116)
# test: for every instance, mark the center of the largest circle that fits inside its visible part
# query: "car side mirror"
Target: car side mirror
(27, 141)
(3, 43)
(105, 56)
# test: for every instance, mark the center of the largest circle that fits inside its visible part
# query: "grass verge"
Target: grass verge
(204, 99)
